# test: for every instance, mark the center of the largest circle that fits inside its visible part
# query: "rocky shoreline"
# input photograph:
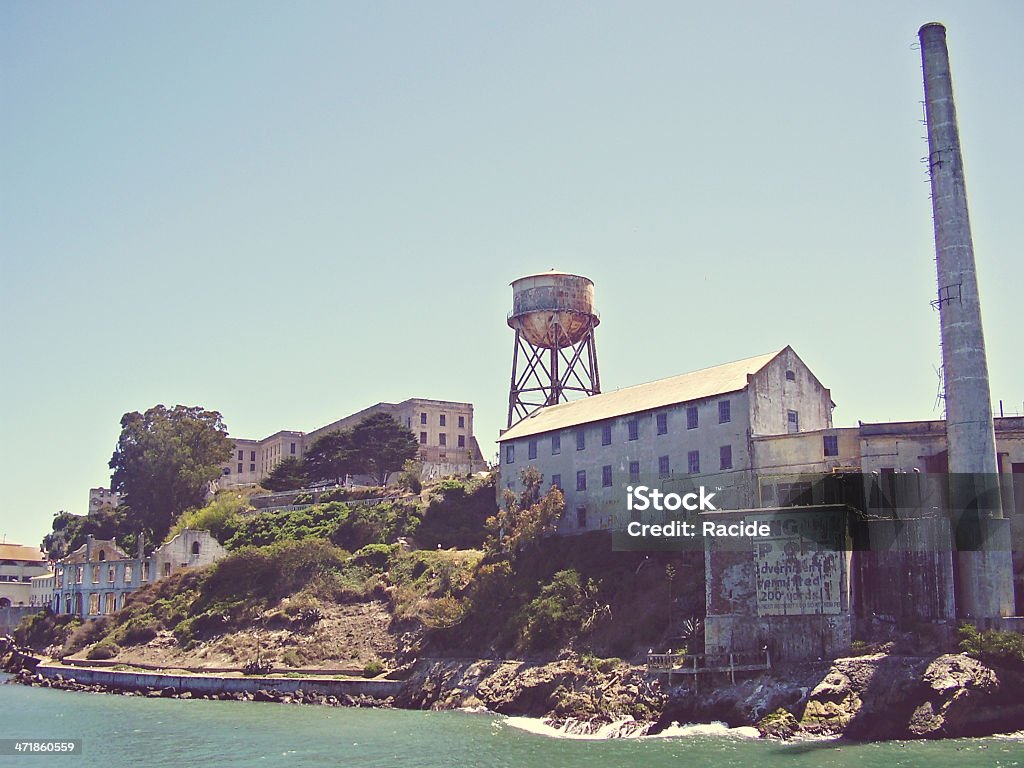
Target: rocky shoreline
(865, 698)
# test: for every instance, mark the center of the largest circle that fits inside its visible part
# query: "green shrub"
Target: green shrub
(992, 645)
(85, 634)
(558, 613)
(372, 668)
(41, 630)
(105, 649)
(375, 556)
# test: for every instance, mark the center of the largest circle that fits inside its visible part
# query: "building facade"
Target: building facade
(444, 430)
(674, 434)
(18, 566)
(97, 578)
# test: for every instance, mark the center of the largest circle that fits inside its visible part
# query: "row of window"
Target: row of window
(442, 439)
(632, 430)
(442, 420)
(664, 469)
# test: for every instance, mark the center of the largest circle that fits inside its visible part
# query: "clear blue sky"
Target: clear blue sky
(290, 211)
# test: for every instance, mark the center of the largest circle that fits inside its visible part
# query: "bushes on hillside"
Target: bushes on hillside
(992, 645)
(457, 514)
(43, 629)
(558, 613)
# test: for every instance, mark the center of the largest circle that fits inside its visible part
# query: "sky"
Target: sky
(287, 212)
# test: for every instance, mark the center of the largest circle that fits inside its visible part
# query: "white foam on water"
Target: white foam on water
(627, 728)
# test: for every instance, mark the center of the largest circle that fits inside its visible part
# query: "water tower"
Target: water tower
(554, 319)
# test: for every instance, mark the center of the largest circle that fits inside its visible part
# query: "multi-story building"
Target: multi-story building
(693, 429)
(97, 578)
(18, 566)
(41, 590)
(444, 430)
(101, 499)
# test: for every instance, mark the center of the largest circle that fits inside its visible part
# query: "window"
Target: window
(462, 441)
(691, 417)
(111, 575)
(556, 481)
(95, 574)
(510, 454)
(423, 438)
(252, 455)
(423, 418)
(724, 415)
(442, 439)
(790, 376)
(581, 439)
(167, 569)
(831, 445)
(634, 429)
(78, 575)
(195, 547)
(103, 555)
(442, 421)
(462, 422)
(725, 457)
(226, 470)
(606, 434)
(693, 462)
(581, 517)
(662, 423)
(531, 449)
(792, 421)
(94, 603)
(663, 468)
(145, 571)
(634, 471)
(241, 455)
(239, 467)
(556, 444)
(606, 476)
(128, 574)
(581, 480)
(293, 449)
(252, 467)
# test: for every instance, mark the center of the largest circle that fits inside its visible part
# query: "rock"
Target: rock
(780, 724)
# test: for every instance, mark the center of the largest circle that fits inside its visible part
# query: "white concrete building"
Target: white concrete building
(674, 434)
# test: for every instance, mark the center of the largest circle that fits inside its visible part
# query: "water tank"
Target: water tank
(553, 309)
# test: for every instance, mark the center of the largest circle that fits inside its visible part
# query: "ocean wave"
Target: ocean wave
(625, 728)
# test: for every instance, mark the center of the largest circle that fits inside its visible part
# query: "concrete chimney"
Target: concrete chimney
(984, 589)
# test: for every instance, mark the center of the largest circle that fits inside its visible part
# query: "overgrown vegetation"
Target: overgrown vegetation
(992, 645)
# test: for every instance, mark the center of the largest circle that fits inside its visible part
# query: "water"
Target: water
(129, 731)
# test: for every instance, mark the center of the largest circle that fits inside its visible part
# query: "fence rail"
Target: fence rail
(708, 663)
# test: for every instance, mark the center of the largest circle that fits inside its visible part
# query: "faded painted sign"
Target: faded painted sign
(791, 580)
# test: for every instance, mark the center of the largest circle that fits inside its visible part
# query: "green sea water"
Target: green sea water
(129, 731)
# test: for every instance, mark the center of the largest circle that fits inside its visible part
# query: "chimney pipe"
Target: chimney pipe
(984, 566)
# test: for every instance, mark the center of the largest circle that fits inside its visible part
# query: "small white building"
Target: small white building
(18, 565)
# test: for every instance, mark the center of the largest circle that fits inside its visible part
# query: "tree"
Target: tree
(164, 462)
(329, 457)
(381, 446)
(526, 518)
(289, 475)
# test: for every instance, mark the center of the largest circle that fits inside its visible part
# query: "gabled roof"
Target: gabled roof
(21, 552)
(687, 387)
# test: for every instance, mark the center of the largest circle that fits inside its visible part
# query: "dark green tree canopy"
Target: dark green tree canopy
(381, 445)
(164, 462)
(289, 475)
(376, 446)
(330, 457)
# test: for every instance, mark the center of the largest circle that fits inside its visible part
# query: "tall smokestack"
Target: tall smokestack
(983, 578)
(972, 446)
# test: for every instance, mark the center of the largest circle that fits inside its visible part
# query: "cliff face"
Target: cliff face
(893, 697)
(569, 687)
